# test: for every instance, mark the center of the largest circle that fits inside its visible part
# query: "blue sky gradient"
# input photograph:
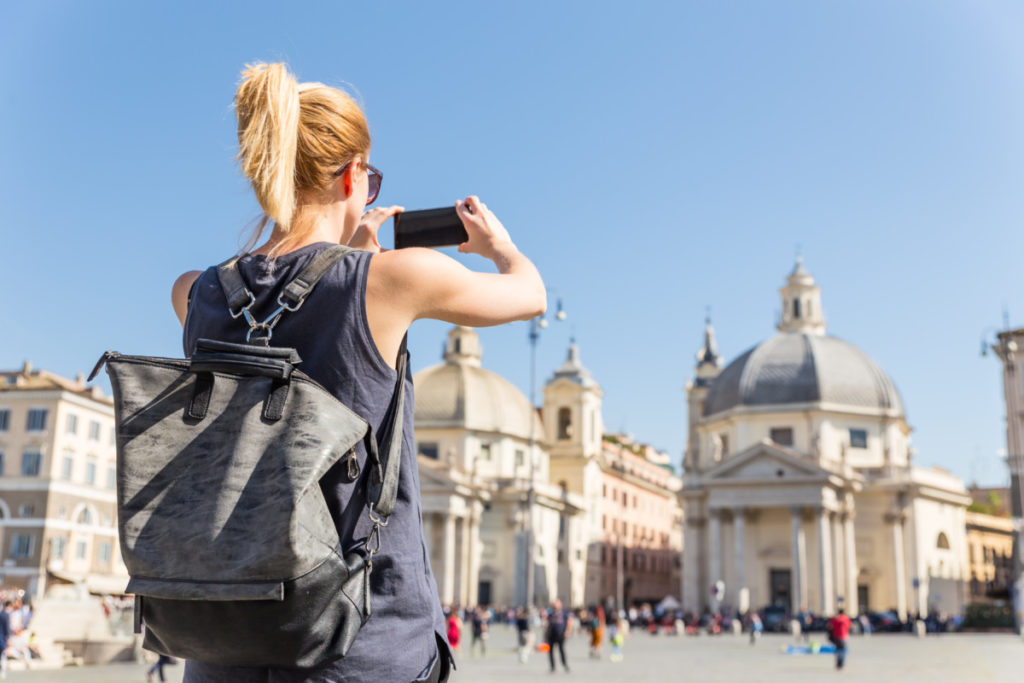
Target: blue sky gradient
(654, 159)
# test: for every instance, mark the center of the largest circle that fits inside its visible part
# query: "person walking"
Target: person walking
(839, 634)
(597, 632)
(524, 636)
(454, 625)
(558, 629)
(617, 637)
(305, 148)
(478, 623)
(158, 668)
(756, 627)
(5, 634)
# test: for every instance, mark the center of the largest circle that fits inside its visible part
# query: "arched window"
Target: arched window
(796, 308)
(85, 517)
(564, 423)
(943, 542)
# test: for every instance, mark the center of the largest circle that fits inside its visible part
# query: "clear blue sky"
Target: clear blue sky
(652, 158)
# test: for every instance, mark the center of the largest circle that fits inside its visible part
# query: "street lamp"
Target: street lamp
(536, 325)
(1006, 349)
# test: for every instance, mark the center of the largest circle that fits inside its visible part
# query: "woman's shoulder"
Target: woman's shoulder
(180, 292)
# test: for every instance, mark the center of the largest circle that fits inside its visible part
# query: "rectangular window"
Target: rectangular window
(105, 550)
(22, 545)
(5, 420)
(2, 463)
(90, 471)
(58, 545)
(72, 424)
(520, 457)
(80, 550)
(429, 450)
(858, 438)
(111, 478)
(485, 451)
(782, 435)
(36, 421)
(31, 462)
(68, 466)
(94, 431)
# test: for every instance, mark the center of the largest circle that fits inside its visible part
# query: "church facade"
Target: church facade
(799, 487)
(604, 511)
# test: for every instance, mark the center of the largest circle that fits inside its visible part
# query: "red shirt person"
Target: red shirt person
(839, 630)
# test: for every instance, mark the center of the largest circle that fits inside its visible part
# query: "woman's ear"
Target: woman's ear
(348, 178)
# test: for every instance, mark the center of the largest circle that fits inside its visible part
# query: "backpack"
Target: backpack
(233, 555)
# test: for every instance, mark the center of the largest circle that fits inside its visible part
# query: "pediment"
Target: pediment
(435, 475)
(766, 461)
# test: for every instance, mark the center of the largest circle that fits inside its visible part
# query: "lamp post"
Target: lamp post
(1006, 349)
(536, 325)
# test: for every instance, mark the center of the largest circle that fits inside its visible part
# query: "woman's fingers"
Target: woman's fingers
(365, 236)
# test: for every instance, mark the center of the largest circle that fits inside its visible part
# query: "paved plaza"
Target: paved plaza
(978, 658)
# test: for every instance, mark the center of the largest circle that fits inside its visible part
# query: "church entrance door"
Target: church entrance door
(779, 586)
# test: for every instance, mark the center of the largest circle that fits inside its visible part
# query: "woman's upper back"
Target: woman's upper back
(331, 334)
(329, 331)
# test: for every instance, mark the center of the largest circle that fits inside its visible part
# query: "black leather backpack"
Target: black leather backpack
(233, 555)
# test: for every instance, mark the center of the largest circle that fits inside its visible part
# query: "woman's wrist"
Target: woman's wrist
(503, 254)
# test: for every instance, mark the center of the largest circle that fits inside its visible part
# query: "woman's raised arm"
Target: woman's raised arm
(408, 284)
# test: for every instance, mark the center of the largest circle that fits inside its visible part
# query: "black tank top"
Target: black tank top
(331, 334)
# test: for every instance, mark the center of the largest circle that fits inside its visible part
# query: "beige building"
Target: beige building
(473, 430)
(592, 493)
(990, 552)
(57, 489)
(632, 519)
(799, 487)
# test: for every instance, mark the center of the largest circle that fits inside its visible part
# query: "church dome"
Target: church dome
(460, 394)
(803, 367)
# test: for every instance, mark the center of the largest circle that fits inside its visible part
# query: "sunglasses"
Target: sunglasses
(374, 177)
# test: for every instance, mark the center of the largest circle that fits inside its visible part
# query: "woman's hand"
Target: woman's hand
(487, 236)
(365, 236)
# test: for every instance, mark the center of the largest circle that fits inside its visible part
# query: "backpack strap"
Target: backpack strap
(382, 488)
(240, 298)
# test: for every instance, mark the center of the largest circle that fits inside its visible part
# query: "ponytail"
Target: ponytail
(292, 138)
(267, 106)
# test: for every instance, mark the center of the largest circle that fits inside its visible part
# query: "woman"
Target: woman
(454, 629)
(305, 148)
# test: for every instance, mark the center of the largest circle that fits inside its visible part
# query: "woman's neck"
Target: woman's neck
(318, 223)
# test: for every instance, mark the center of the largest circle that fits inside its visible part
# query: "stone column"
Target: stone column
(739, 543)
(895, 522)
(799, 555)
(826, 603)
(448, 570)
(714, 552)
(475, 550)
(838, 564)
(465, 574)
(428, 536)
(693, 594)
(852, 569)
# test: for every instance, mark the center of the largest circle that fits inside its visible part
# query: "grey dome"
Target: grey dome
(797, 367)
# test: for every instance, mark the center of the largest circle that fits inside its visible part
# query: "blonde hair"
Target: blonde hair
(292, 138)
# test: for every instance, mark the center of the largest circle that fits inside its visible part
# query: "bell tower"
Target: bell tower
(709, 364)
(573, 423)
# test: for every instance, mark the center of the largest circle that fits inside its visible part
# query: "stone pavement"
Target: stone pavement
(978, 658)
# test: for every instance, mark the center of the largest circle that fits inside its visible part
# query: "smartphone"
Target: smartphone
(429, 228)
